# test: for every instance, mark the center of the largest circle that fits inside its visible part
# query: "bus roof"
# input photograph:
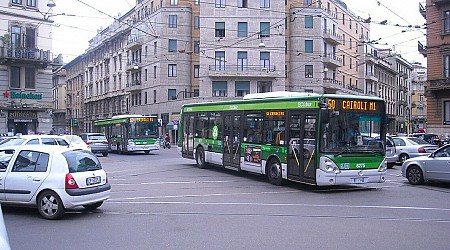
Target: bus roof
(273, 100)
(130, 116)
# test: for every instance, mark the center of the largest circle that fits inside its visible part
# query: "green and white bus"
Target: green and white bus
(130, 133)
(326, 139)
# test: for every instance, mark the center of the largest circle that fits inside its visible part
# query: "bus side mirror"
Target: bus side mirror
(324, 115)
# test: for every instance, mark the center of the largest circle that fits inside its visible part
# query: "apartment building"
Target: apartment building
(418, 99)
(437, 15)
(59, 97)
(162, 54)
(25, 66)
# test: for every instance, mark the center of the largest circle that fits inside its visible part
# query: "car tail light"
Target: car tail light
(105, 142)
(89, 142)
(70, 182)
(421, 150)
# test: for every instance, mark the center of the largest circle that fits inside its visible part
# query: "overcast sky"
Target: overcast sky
(71, 34)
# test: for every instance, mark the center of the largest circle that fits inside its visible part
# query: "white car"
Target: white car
(35, 139)
(76, 142)
(53, 178)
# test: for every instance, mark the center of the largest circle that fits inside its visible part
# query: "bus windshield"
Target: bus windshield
(143, 130)
(352, 132)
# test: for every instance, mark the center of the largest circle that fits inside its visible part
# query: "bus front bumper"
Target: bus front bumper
(346, 177)
(148, 147)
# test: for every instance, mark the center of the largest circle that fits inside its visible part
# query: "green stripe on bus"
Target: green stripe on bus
(254, 106)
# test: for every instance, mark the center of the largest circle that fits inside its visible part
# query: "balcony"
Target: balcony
(439, 84)
(133, 66)
(135, 42)
(29, 56)
(423, 10)
(135, 85)
(422, 49)
(332, 61)
(370, 76)
(332, 83)
(256, 71)
(439, 3)
(331, 37)
(371, 58)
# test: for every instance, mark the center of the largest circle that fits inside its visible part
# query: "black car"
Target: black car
(430, 138)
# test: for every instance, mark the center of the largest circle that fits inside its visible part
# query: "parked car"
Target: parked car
(35, 139)
(433, 167)
(410, 147)
(430, 138)
(76, 142)
(52, 179)
(97, 142)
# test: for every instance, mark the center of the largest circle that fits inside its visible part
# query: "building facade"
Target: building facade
(25, 70)
(437, 14)
(418, 99)
(160, 55)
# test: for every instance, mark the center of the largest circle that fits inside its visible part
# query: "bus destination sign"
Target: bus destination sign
(142, 119)
(360, 105)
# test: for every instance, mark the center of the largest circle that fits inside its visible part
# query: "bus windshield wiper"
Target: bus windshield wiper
(346, 149)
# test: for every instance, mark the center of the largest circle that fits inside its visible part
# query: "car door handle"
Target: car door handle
(36, 179)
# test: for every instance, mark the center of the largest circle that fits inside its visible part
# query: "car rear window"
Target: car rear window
(12, 141)
(415, 140)
(81, 161)
(97, 137)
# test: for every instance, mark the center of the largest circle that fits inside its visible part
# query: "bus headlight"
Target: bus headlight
(383, 166)
(328, 165)
(131, 143)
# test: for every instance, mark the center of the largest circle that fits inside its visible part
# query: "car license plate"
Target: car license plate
(359, 180)
(93, 180)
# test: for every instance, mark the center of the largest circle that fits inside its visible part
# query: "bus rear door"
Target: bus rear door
(302, 146)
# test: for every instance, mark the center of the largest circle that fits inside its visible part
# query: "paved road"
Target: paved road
(161, 201)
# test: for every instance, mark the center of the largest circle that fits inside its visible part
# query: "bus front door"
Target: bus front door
(232, 141)
(188, 136)
(302, 147)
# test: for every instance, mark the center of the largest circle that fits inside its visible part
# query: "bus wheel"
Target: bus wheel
(146, 152)
(273, 170)
(200, 157)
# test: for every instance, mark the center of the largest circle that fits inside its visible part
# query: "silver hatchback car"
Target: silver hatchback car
(97, 142)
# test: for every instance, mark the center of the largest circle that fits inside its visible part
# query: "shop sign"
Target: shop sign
(22, 114)
(22, 95)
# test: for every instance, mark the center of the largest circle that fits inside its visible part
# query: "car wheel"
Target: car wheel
(414, 175)
(50, 205)
(93, 206)
(403, 158)
(105, 154)
(273, 170)
(200, 157)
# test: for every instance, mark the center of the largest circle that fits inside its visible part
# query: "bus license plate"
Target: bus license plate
(359, 180)
(93, 180)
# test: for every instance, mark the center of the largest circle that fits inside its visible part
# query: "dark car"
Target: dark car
(97, 142)
(430, 138)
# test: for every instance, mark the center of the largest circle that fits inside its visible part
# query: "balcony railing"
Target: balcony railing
(332, 59)
(332, 37)
(25, 55)
(242, 71)
(440, 84)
